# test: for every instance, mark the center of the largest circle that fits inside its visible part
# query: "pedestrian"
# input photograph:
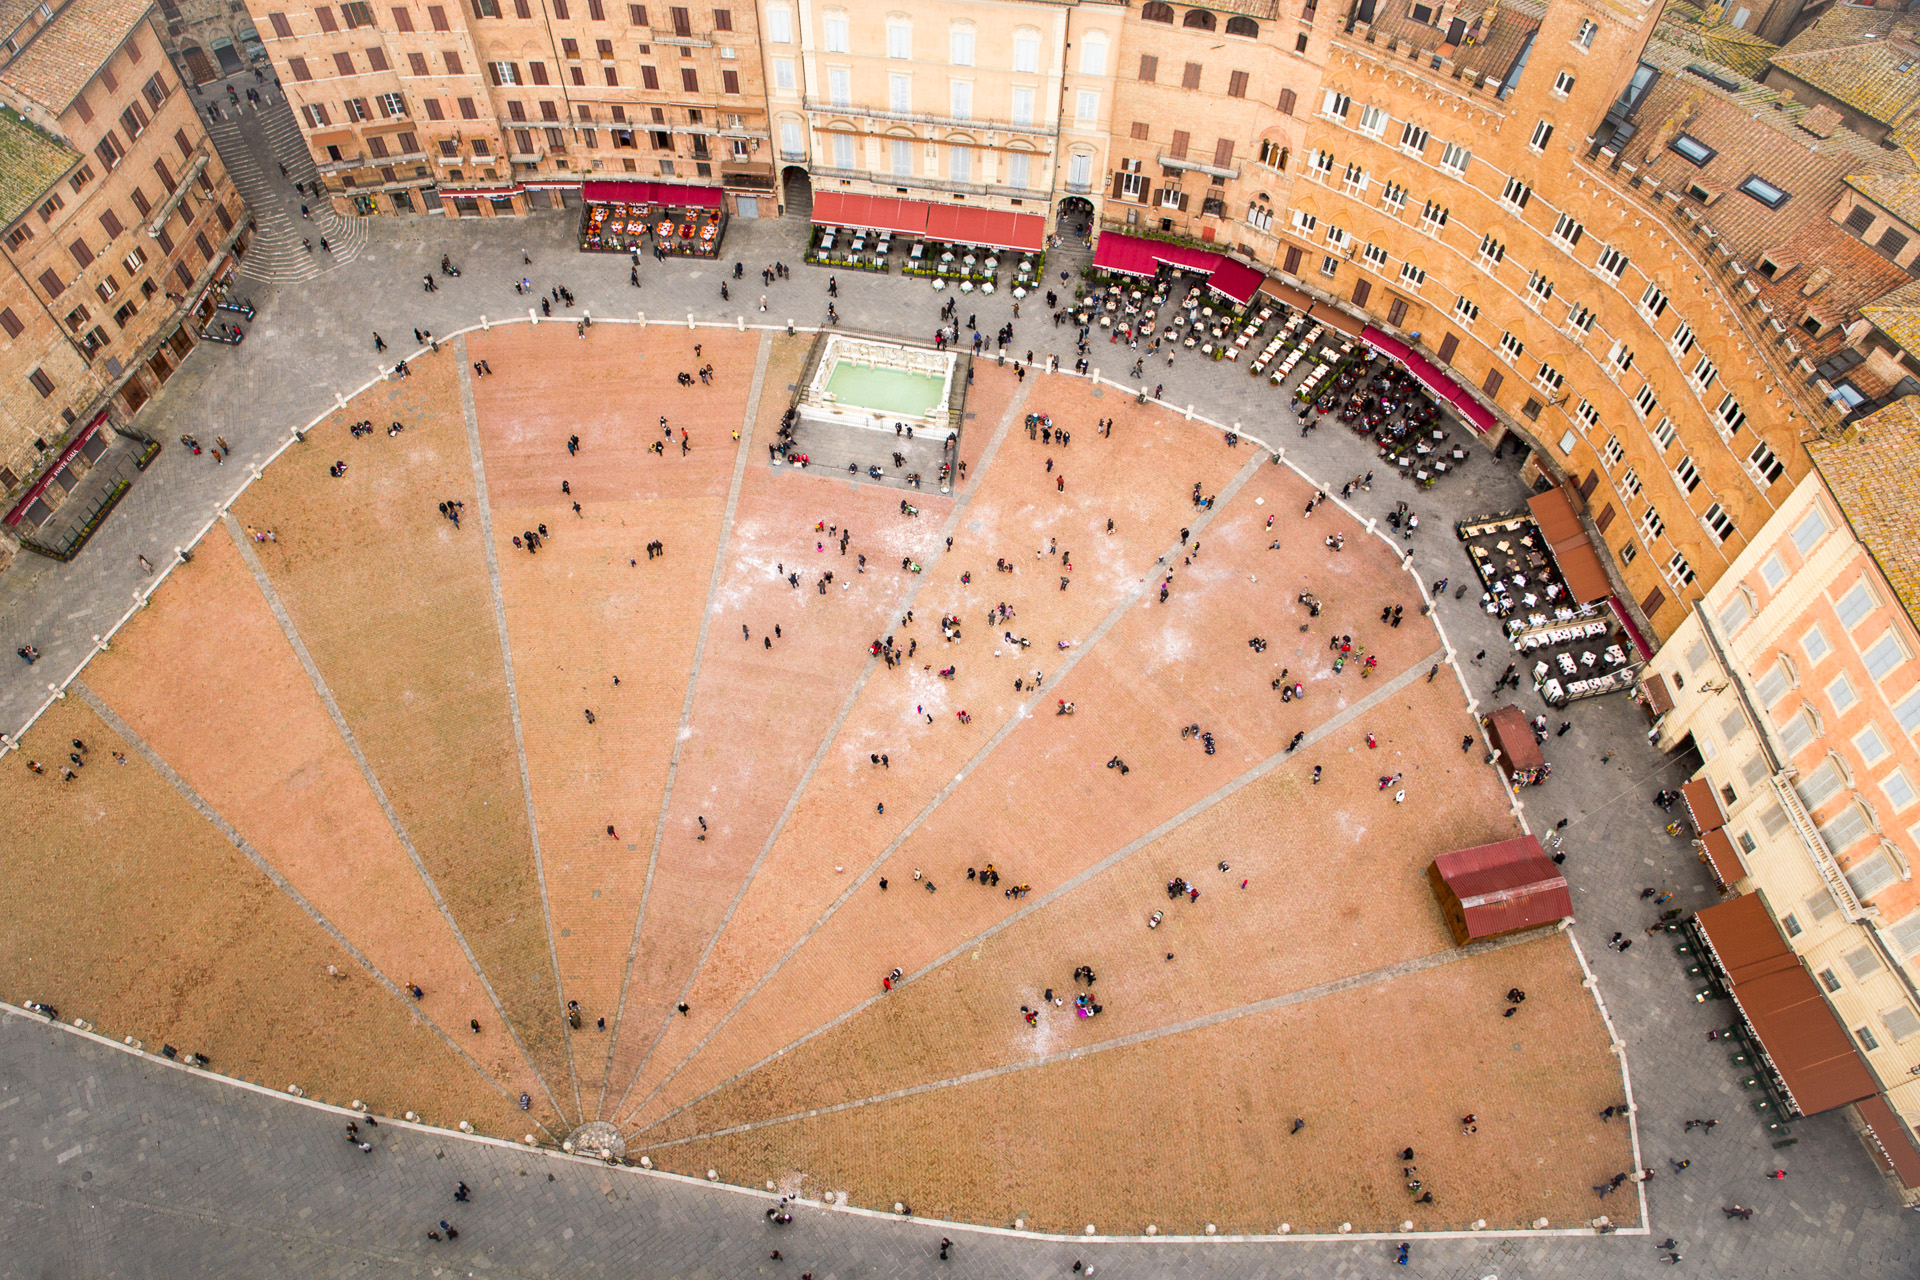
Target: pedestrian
(945, 1244)
(379, 343)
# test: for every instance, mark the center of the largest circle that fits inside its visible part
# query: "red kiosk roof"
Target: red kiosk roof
(1504, 886)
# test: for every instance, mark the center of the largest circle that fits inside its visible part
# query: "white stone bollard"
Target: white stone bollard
(528, 1139)
(713, 1175)
(1090, 1231)
(296, 1091)
(359, 1106)
(742, 322)
(899, 1207)
(1286, 1228)
(646, 1162)
(1539, 1224)
(1407, 1225)
(484, 326)
(1019, 1224)
(1479, 1224)
(465, 1127)
(1210, 1228)
(769, 1185)
(1345, 1228)
(411, 1118)
(567, 1147)
(1152, 1230)
(689, 319)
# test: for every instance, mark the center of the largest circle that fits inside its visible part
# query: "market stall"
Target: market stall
(1516, 750)
(683, 221)
(1492, 890)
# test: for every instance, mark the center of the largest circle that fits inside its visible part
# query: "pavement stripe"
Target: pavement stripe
(339, 718)
(206, 810)
(761, 360)
(954, 517)
(1433, 961)
(1099, 633)
(1120, 855)
(485, 509)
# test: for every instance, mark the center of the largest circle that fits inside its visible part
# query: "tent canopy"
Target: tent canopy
(1495, 889)
(1723, 857)
(1811, 1050)
(1436, 379)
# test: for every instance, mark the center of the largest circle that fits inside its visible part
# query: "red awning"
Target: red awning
(1135, 256)
(1572, 550)
(1703, 806)
(1633, 633)
(1236, 280)
(46, 477)
(1895, 1139)
(1809, 1047)
(666, 193)
(841, 209)
(1433, 376)
(1659, 699)
(1723, 857)
(987, 228)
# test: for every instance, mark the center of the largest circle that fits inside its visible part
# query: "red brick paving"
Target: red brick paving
(394, 605)
(1195, 1128)
(579, 613)
(759, 714)
(1015, 509)
(125, 907)
(206, 676)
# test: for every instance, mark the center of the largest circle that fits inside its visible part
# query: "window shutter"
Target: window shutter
(453, 63)
(1149, 67)
(730, 82)
(1183, 202)
(51, 283)
(649, 78)
(377, 58)
(1179, 148)
(1287, 99)
(1604, 519)
(1190, 78)
(1293, 260)
(417, 62)
(1492, 385)
(1237, 85)
(81, 254)
(325, 15)
(1223, 154)
(493, 73)
(1397, 312)
(343, 63)
(689, 79)
(282, 29)
(1651, 605)
(1449, 345)
(299, 68)
(1118, 177)
(538, 70)
(402, 18)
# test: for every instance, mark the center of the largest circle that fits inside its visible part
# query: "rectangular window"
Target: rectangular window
(783, 77)
(1374, 255)
(356, 14)
(1692, 150)
(1149, 68)
(11, 323)
(1678, 572)
(325, 15)
(1651, 525)
(402, 18)
(452, 60)
(282, 29)
(437, 17)
(961, 47)
(417, 64)
(1807, 534)
(1765, 464)
(730, 82)
(1645, 402)
(1613, 451)
(1883, 656)
(1539, 289)
(1022, 104)
(839, 87)
(1765, 192)
(1704, 374)
(899, 40)
(467, 109)
(1511, 347)
(41, 382)
(1190, 76)
(689, 80)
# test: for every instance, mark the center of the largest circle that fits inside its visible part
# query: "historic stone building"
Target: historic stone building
(116, 217)
(501, 106)
(1797, 679)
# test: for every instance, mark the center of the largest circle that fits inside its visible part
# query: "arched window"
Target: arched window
(1242, 27)
(1198, 18)
(1156, 12)
(1093, 54)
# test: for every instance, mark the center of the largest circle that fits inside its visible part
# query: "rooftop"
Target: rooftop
(1898, 315)
(1717, 41)
(1863, 57)
(67, 53)
(1897, 193)
(30, 162)
(1873, 472)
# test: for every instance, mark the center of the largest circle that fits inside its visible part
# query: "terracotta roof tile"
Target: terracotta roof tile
(1897, 193)
(1873, 472)
(30, 162)
(64, 55)
(1865, 58)
(1898, 315)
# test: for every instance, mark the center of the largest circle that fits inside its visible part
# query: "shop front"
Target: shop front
(683, 221)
